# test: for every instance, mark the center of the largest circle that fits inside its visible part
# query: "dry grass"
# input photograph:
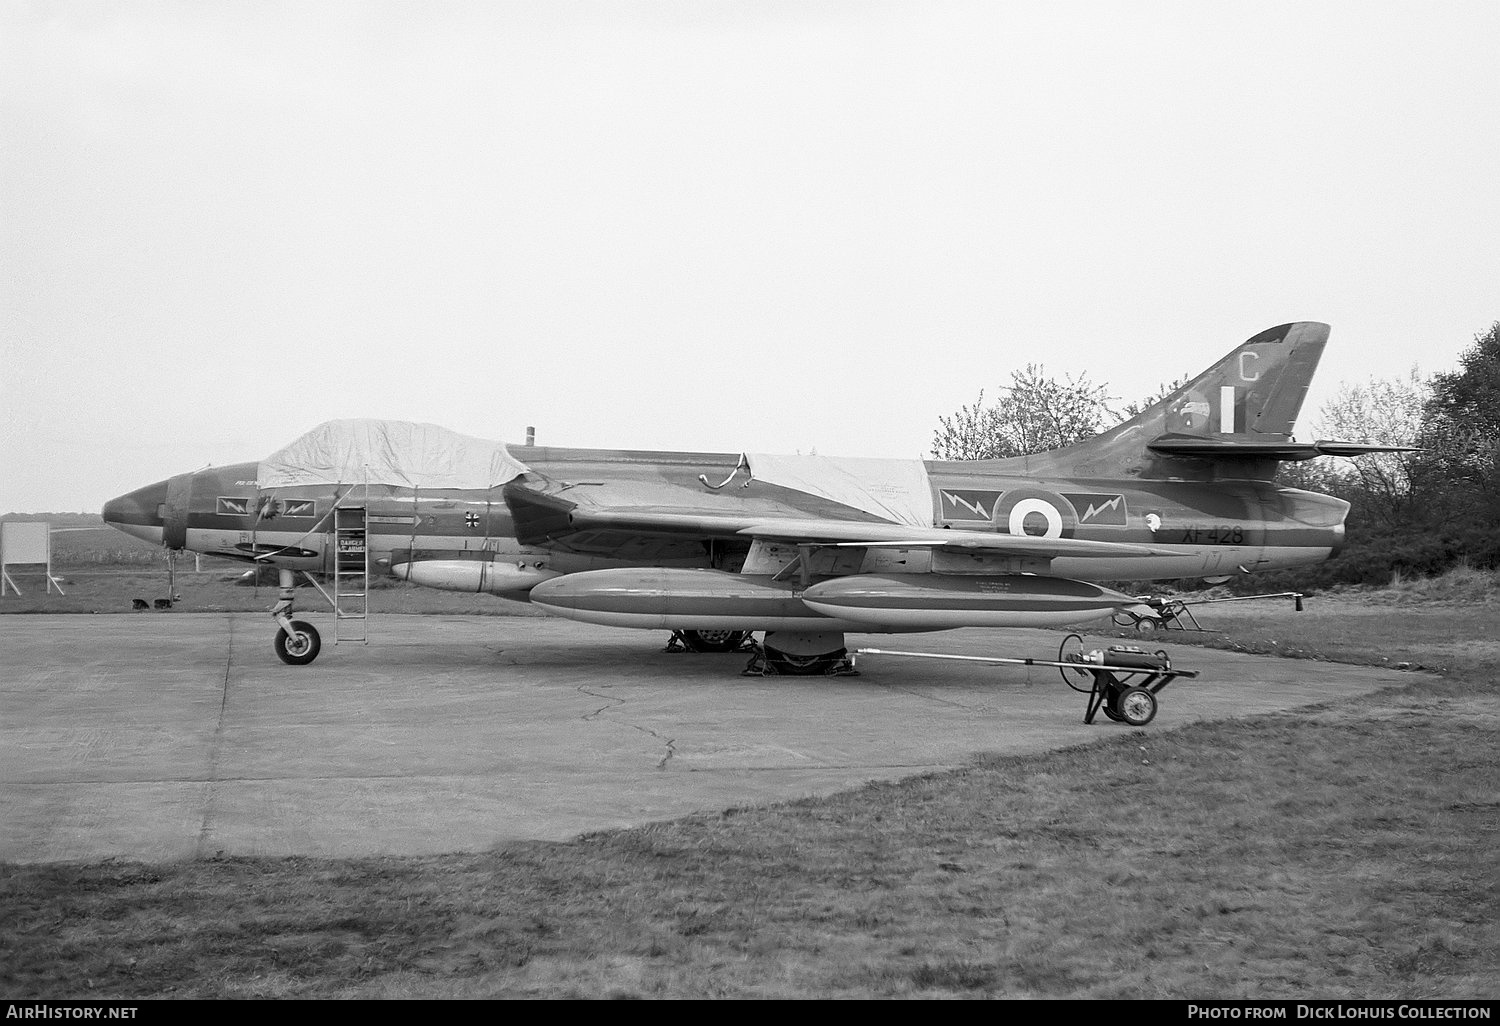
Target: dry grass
(1341, 852)
(1448, 624)
(1463, 584)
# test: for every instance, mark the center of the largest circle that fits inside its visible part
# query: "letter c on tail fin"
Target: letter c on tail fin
(1257, 389)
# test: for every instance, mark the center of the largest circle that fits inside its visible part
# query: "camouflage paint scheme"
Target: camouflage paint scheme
(643, 539)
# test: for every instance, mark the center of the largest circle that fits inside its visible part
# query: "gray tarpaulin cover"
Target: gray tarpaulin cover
(895, 490)
(389, 452)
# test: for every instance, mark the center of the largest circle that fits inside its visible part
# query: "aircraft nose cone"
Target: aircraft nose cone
(138, 513)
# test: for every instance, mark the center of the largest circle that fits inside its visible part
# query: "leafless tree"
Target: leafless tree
(1036, 413)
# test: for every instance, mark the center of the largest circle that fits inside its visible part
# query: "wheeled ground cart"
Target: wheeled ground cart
(1125, 679)
(1175, 613)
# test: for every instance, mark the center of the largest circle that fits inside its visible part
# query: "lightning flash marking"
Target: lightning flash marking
(972, 507)
(1094, 511)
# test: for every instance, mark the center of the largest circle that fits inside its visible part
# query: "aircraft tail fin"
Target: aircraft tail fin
(1234, 419)
(1255, 392)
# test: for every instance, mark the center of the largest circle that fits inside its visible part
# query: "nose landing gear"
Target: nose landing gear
(297, 642)
(300, 645)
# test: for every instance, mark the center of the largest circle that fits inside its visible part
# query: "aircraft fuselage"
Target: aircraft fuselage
(1202, 528)
(805, 548)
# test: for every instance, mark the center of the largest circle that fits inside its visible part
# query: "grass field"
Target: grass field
(104, 571)
(1344, 851)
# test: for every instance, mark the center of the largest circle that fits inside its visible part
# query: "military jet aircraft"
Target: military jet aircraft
(803, 548)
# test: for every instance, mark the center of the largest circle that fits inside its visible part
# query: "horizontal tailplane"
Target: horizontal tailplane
(1286, 452)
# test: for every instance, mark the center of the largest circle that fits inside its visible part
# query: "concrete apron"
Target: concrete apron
(162, 736)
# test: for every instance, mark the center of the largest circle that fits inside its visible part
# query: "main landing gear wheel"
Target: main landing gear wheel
(299, 647)
(714, 641)
(801, 654)
(788, 665)
(1137, 706)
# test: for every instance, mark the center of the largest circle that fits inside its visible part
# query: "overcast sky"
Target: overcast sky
(764, 226)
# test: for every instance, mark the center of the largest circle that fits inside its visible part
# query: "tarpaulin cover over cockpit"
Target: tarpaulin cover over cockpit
(389, 452)
(894, 490)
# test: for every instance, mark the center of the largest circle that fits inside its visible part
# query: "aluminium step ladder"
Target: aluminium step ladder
(351, 575)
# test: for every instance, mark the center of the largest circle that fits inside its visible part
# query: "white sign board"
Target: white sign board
(25, 543)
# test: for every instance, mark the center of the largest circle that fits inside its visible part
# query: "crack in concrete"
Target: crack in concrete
(670, 742)
(612, 700)
(206, 827)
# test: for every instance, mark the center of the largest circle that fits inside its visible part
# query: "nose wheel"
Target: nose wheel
(297, 641)
(300, 645)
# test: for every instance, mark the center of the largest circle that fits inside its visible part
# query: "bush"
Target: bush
(1376, 556)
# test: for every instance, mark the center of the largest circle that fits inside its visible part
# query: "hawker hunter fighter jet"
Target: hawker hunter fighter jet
(802, 548)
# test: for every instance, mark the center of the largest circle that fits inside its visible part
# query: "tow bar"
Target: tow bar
(1125, 679)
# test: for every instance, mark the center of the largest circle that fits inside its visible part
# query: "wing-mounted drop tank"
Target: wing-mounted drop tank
(674, 599)
(492, 577)
(915, 602)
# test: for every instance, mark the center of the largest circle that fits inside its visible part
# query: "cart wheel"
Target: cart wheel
(1071, 651)
(1137, 706)
(1146, 624)
(301, 646)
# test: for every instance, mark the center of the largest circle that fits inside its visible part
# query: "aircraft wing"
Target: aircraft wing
(862, 535)
(623, 530)
(852, 534)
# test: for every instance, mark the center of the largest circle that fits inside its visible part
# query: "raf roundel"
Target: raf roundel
(1036, 512)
